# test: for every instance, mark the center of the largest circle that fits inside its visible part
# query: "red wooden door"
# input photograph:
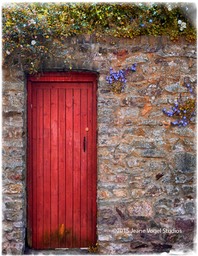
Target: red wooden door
(62, 160)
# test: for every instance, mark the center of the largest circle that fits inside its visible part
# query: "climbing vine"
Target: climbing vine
(32, 31)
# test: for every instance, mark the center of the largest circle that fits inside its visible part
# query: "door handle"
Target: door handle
(84, 144)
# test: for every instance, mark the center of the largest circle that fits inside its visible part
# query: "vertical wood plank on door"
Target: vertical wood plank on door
(29, 168)
(61, 170)
(54, 168)
(83, 178)
(76, 169)
(34, 168)
(94, 162)
(90, 163)
(69, 167)
(39, 171)
(46, 170)
(65, 111)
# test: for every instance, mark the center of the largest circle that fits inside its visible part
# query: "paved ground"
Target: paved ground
(56, 252)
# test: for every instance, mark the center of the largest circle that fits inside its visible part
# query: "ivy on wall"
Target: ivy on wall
(30, 31)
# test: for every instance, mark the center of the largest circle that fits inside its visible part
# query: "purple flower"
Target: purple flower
(174, 123)
(133, 67)
(120, 75)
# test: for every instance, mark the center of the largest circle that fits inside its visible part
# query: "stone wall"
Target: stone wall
(14, 162)
(146, 167)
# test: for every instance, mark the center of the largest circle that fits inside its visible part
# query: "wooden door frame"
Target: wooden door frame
(59, 76)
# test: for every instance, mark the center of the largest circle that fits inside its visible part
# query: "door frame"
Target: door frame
(59, 76)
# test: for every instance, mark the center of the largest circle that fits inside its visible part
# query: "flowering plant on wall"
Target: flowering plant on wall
(117, 79)
(31, 32)
(183, 109)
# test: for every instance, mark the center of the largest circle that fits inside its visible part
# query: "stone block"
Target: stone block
(16, 235)
(147, 108)
(18, 143)
(19, 224)
(159, 247)
(7, 226)
(185, 162)
(14, 121)
(153, 191)
(13, 133)
(188, 189)
(143, 144)
(14, 205)
(151, 90)
(185, 224)
(172, 190)
(181, 179)
(13, 102)
(104, 194)
(190, 208)
(104, 237)
(173, 88)
(13, 189)
(153, 153)
(164, 207)
(137, 193)
(15, 175)
(13, 163)
(131, 162)
(120, 193)
(9, 86)
(106, 216)
(140, 208)
(124, 148)
(137, 78)
(134, 101)
(167, 202)
(124, 237)
(183, 131)
(13, 248)
(11, 215)
(116, 248)
(138, 245)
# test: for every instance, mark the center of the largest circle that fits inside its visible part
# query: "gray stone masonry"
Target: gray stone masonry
(146, 168)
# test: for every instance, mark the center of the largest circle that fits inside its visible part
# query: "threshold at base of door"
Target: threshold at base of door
(61, 251)
(82, 248)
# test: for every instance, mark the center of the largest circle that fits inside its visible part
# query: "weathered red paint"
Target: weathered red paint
(62, 162)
